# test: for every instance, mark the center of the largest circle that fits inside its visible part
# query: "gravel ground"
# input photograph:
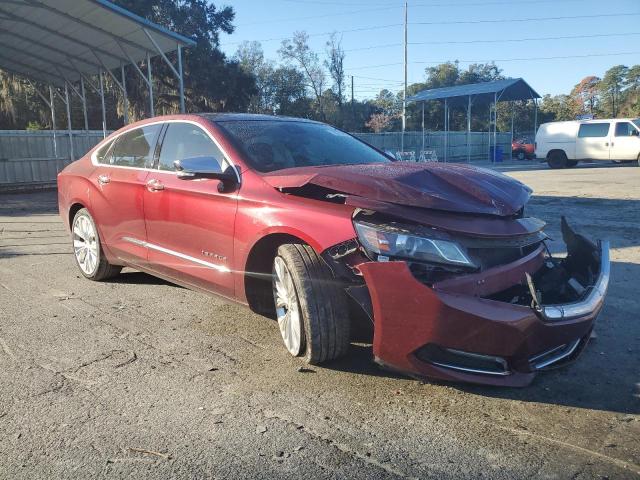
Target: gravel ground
(139, 378)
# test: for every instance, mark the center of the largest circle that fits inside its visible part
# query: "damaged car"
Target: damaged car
(305, 223)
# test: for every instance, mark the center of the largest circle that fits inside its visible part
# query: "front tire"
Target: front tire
(311, 308)
(557, 159)
(87, 250)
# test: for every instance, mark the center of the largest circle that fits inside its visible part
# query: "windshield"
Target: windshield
(274, 145)
(637, 122)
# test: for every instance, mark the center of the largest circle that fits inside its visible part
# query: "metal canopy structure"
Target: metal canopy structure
(507, 90)
(64, 43)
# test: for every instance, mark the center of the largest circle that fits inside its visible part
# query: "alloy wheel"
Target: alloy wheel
(85, 244)
(287, 307)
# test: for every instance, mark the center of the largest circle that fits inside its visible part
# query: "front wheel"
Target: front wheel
(87, 250)
(557, 159)
(310, 306)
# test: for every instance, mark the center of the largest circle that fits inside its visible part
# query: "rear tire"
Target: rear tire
(557, 159)
(521, 155)
(87, 250)
(572, 163)
(316, 301)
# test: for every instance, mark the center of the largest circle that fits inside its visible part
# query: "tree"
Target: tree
(297, 51)
(335, 65)
(611, 87)
(586, 93)
(379, 122)
(211, 81)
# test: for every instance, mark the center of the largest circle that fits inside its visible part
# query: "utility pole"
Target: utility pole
(353, 108)
(404, 97)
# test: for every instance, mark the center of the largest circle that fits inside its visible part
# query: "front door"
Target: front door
(593, 141)
(190, 223)
(625, 144)
(117, 201)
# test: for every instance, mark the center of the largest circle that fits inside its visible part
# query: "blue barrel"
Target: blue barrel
(496, 153)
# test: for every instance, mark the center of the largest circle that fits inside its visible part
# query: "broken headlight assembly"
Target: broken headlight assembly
(384, 242)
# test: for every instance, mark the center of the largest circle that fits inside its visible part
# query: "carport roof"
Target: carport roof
(56, 40)
(507, 89)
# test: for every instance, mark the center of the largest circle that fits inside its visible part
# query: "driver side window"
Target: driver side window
(185, 140)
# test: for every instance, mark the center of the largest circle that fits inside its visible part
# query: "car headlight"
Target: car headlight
(388, 242)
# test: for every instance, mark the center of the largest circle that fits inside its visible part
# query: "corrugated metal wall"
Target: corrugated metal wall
(27, 157)
(457, 144)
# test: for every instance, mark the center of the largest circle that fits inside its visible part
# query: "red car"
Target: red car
(310, 225)
(523, 149)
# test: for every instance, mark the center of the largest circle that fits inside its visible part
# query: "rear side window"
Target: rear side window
(184, 140)
(135, 148)
(593, 130)
(625, 129)
(103, 155)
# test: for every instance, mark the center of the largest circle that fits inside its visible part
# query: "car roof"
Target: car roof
(241, 117)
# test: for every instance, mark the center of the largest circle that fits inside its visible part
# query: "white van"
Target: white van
(564, 144)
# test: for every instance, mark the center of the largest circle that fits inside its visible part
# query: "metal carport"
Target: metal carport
(64, 43)
(509, 89)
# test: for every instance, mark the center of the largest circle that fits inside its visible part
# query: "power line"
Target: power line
(361, 29)
(503, 40)
(533, 19)
(500, 59)
(454, 22)
(313, 17)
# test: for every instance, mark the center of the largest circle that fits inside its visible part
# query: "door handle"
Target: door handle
(606, 144)
(103, 179)
(154, 185)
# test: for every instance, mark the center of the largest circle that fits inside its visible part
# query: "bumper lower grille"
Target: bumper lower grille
(554, 356)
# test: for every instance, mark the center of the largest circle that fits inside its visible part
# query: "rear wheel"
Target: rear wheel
(311, 308)
(520, 155)
(87, 250)
(557, 159)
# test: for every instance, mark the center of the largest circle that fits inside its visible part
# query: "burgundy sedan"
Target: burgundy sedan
(309, 225)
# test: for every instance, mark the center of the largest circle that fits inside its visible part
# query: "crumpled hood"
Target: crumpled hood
(438, 186)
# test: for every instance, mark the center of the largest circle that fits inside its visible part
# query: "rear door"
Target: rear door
(593, 141)
(117, 201)
(190, 223)
(625, 144)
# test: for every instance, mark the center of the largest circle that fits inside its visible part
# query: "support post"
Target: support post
(495, 127)
(469, 129)
(53, 121)
(104, 113)
(68, 105)
(150, 83)
(512, 116)
(423, 102)
(404, 96)
(489, 135)
(535, 116)
(84, 104)
(124, 93)
(446, 130)
(181, 79)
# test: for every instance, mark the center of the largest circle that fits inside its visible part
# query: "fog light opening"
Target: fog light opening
(462, 361)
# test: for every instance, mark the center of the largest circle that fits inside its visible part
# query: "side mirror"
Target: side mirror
(205, 167)
(635, 133)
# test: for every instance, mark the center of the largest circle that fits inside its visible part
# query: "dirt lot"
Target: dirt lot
(138, 378)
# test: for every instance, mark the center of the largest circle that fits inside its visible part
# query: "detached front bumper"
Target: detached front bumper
(450, 332)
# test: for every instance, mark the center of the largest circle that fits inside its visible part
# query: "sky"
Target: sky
(520, 35)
